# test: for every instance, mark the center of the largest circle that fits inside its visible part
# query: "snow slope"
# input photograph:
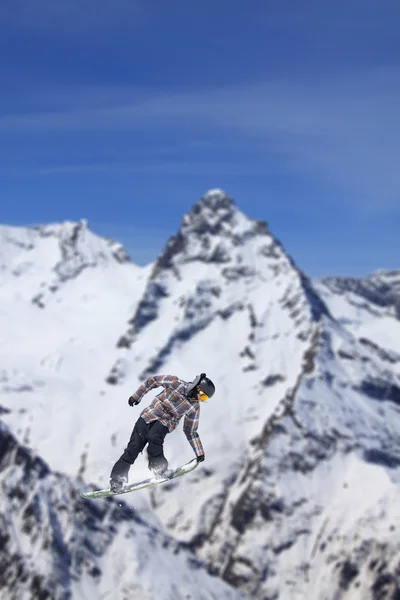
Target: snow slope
(369, 308)
(332, 442)
(64, 295)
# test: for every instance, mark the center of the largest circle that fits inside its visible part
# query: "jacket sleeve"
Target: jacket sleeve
(151, 383)
(190, 426)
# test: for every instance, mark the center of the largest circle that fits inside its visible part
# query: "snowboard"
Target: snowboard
(133, 487)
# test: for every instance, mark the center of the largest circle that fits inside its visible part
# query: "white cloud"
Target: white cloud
(343, 129)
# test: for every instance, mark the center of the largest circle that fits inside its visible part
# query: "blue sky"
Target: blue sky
(126, 112)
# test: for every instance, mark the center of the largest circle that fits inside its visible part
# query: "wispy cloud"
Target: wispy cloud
(344, 128)
(153, 167)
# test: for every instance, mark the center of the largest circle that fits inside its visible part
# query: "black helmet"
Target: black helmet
(204, 383)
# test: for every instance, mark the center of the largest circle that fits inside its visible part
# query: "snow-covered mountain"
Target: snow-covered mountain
(64, 295)
(298, 496)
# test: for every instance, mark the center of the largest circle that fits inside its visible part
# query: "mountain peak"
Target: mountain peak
(209, 214)
(216, 199)
(209, 232)
(218, 257)
(215, 195)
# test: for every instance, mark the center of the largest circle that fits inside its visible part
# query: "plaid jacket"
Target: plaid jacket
(170, 405)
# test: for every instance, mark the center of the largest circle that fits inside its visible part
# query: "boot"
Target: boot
(162, 472)
(117, 483)
(119, 475)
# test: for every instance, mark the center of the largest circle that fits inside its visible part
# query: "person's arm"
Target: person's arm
(151, 383)
(190, 426)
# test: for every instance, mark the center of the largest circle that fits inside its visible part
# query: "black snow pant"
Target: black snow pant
(143, 433)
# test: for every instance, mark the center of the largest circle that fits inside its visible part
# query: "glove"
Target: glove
(132, 401)
(200, 458)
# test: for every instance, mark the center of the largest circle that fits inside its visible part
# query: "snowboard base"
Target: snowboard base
(133, 487)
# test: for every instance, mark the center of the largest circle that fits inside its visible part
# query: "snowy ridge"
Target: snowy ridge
(56, 545)
(369, 308)
(381, 288)
(72, 243)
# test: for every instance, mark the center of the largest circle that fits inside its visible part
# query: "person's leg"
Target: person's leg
(155, 449)
(136, 444)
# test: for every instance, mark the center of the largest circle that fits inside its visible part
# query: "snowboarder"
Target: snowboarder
(179, 398)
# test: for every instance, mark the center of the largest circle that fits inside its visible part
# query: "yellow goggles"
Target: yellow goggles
(203, 397)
